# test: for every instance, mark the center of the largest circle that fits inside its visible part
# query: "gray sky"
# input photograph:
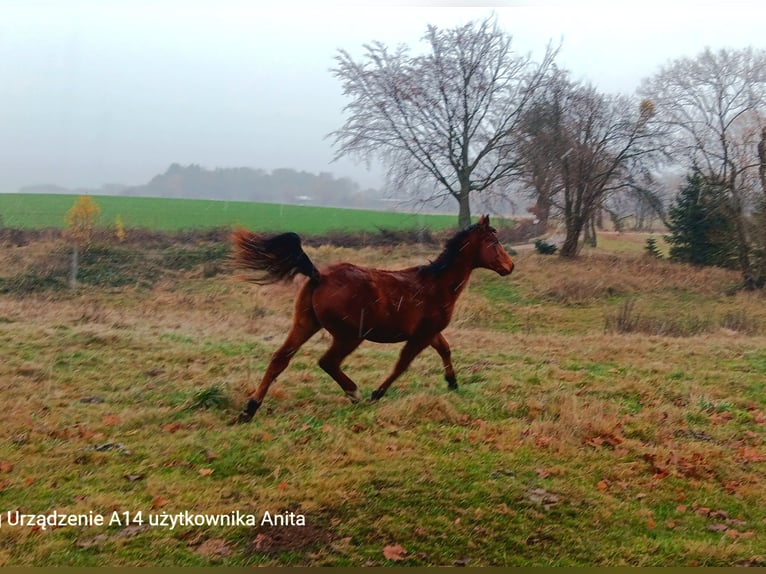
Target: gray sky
(102, 91)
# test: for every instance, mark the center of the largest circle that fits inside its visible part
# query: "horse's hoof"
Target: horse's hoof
(247, 415)
(452, 385)
(242, 418)
(376, 394)
(354, 395)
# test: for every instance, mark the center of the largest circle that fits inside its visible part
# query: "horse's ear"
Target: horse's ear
(484, 221)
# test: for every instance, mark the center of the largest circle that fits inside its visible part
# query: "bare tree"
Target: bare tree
(542, 144)
(713, 106)
(444, 123)
(581, 146)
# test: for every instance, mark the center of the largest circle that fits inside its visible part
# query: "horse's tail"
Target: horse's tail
(273, 258)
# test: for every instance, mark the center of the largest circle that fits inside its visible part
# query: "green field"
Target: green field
(32, 211)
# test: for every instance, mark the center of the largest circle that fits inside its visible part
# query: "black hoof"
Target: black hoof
(376, 394)
(452, 384)
(247, 415)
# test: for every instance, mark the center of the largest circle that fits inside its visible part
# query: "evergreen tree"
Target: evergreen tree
(701, 230)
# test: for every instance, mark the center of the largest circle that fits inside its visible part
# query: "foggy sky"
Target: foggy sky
(100, 91)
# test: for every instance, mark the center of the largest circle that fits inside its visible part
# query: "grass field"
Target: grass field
(611, 411)
(32, 211)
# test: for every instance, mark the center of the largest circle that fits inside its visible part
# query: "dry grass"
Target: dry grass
(557, 425)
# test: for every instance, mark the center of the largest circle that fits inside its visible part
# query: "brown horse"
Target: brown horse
(356, 303)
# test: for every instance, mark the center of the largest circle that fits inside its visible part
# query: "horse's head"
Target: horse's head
(491, 254)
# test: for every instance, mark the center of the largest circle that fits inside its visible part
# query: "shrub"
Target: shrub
(545, 248)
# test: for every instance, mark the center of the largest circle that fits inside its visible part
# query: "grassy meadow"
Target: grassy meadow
(611, 411)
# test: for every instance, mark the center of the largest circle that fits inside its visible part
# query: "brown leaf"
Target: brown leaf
(111, 420)
(214, 547)
(261, 540)
(171, 427)
(750, 454)
(394, 552)
(205, 471)
(159, 501)
(542, 473)
(133, 477)
(602, 485)
(6, 466)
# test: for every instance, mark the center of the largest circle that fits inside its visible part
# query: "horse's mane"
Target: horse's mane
(450, 253)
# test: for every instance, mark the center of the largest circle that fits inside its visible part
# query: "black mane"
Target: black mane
(450, 253)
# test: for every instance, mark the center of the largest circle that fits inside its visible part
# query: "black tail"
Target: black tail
(273, 258)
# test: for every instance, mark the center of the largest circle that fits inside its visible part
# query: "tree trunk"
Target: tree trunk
(542, 211)
(571, 244)
(740, 231)
(590, 232)
(75, 265)
(464, 213)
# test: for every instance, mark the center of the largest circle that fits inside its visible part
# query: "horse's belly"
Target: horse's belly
(365, 325)
(382, 336)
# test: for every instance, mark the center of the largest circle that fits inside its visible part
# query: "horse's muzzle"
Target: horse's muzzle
(505, 269)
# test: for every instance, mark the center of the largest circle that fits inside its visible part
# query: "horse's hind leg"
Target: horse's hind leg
(442, 347)
(411, 350)
(305, 324)
(330, 362)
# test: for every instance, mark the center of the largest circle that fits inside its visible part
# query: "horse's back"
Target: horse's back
(368, 303)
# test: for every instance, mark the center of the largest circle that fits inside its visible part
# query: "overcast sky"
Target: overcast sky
(102, 91)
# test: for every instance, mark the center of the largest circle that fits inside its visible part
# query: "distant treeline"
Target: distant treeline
(287, 186)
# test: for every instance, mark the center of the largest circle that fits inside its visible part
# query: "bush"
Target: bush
(651, 248)
(545, 248)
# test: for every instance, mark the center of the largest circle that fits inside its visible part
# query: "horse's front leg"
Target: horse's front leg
(442, 347)
(411, 350)
(305, 325)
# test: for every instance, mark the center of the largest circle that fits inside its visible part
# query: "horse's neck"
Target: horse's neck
(456, 277)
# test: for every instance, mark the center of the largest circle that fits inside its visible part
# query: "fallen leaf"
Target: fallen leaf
(111, 420)
(214, 547)
(205, 471)
(261, 540)
(6, 466)
(133, 477)
(159, 501)
(750, 454)
(171, 427)
(394, 552)
(602, 485)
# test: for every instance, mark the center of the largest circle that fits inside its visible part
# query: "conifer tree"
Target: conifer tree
(701, 230)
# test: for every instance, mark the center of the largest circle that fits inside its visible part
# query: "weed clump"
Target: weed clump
(212, 397)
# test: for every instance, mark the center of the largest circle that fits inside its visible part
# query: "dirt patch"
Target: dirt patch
(277, 539)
